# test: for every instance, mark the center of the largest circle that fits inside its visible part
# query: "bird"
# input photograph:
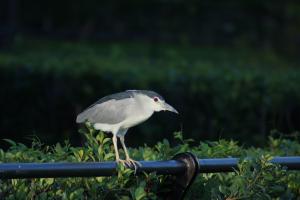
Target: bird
(118, 112)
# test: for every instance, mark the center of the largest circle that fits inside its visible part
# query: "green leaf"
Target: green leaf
(106, 140)
(11, 142)
(80, 152)
(49, 181)
(139, 193)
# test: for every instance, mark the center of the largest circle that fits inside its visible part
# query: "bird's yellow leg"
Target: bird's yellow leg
(128, 160)
(115, 142)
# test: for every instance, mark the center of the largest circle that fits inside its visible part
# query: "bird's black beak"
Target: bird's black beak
(170, 108)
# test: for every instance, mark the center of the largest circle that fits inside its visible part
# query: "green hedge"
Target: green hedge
(220, 92)
(255, 178)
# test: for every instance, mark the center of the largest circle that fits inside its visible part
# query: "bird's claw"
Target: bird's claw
(130, 163)
(120, 161)
(133, 163)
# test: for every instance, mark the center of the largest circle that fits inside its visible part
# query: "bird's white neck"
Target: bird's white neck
(140, 113)
(145, 109)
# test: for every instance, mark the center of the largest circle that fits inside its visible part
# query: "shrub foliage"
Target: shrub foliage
(255, 177)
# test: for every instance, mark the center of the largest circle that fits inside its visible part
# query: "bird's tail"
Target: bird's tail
(81, 118)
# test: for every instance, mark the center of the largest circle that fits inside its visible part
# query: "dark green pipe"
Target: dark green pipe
(93, 169)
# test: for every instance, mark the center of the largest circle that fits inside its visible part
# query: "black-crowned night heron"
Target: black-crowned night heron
(116, 113)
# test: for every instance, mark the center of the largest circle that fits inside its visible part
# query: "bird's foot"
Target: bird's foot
(133, 163)
(123, 162)
(130, 163)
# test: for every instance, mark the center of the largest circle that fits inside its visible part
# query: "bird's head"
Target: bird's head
(155, 102)
(159, 104)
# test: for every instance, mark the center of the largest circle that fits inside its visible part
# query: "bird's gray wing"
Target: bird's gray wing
(117, 96)
(110, 111)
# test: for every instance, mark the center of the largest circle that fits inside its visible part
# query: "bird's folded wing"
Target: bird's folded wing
(109, 112)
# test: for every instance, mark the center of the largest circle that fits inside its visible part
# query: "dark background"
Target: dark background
(246, 22)
(231, 68)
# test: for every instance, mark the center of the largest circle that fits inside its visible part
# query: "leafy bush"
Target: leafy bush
(255, 178)
(230, 92)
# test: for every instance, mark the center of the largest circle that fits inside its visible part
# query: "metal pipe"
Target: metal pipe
(292, 162)
(87, 169)
(229, 164)
(93, 169)
(217, 165)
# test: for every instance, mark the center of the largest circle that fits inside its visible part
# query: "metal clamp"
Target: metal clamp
(184, 180)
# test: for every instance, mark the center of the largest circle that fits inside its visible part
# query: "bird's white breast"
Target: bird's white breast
(135, 119)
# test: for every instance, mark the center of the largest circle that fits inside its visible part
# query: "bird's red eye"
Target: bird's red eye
(155, 99)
